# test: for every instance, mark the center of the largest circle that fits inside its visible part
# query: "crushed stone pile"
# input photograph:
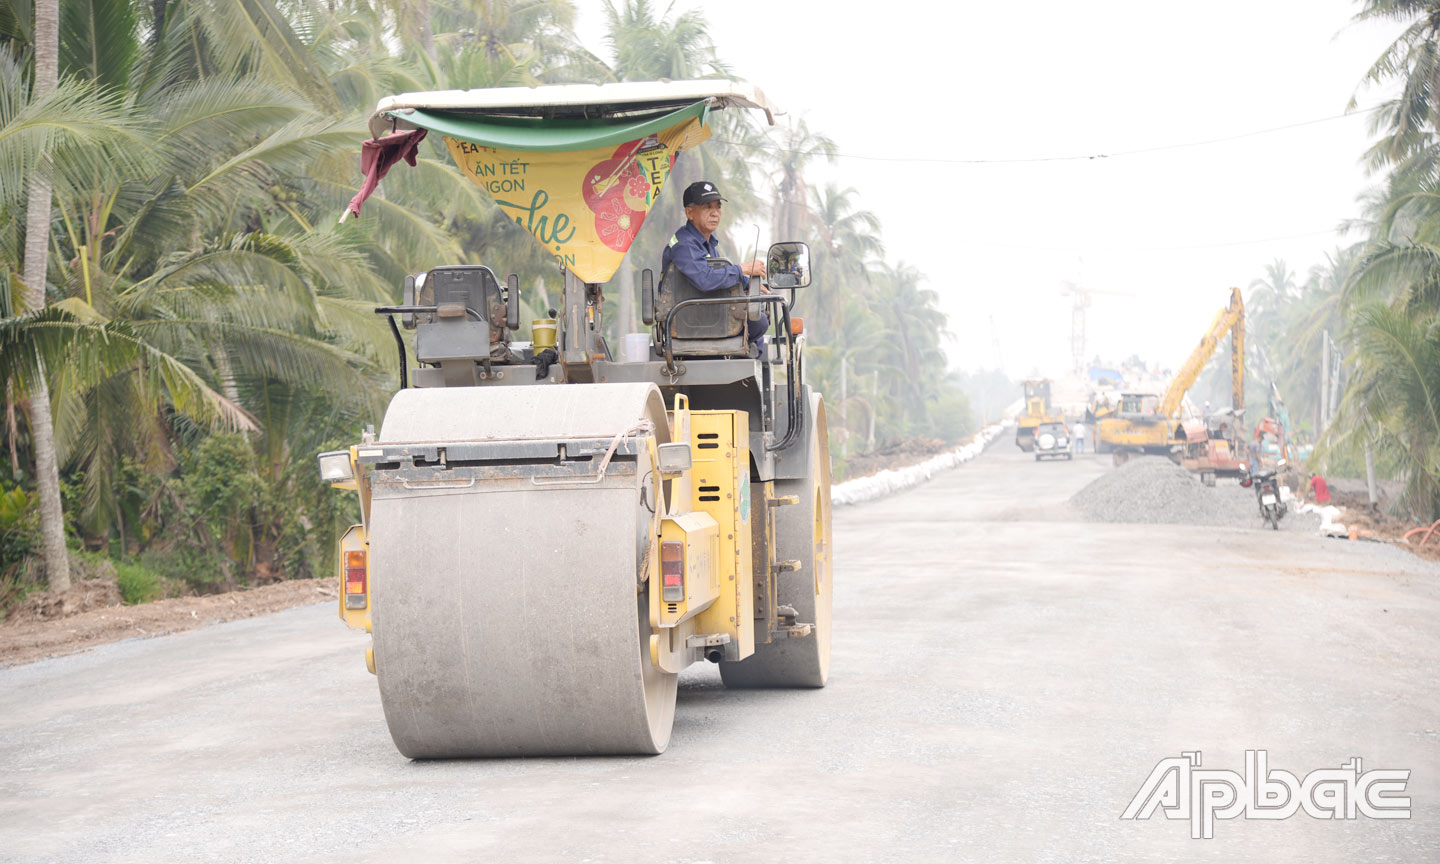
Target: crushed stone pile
(1154, 490)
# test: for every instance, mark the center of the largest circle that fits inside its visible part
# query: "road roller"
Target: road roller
(552, 530)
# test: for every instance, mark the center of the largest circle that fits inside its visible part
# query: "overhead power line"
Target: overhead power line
(1142, 249)
(1135, 151)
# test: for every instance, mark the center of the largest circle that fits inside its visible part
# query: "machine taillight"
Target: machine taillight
(672, 571)
(355, 587)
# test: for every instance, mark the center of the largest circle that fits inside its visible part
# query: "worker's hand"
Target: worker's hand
(753, 268)
(765, 289)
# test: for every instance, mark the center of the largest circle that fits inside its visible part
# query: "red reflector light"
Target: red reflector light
(672, 570)
(355, 572)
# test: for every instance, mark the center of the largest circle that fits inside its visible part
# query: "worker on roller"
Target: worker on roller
(696, 241)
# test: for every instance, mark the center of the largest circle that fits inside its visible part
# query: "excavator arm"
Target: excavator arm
(1230, 320)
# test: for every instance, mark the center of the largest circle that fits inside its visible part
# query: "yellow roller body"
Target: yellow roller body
(802, 534)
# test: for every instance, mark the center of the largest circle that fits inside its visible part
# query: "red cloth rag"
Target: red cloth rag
(378, 155)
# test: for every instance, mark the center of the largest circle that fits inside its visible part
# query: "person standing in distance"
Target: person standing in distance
(696, 241)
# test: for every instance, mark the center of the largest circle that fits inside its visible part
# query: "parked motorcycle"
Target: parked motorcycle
(1267, 495)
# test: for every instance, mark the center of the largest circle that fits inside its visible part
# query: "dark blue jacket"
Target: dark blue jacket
(688, 250)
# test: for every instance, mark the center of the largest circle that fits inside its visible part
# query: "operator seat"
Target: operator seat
(468, 327)
(703, 330)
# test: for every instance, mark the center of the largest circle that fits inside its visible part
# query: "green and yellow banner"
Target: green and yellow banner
(584, 205)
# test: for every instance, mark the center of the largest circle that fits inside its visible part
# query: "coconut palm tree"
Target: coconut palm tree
(788, 158)
(37, 230)
(535, 36)
(913, 324)
(650, 47)
(46, 71)
(846, 242)
(1394, 397)
(1407, 123)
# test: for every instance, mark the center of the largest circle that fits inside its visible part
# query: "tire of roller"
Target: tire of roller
(805, 661)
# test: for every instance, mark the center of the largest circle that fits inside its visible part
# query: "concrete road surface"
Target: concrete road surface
(1004, 682)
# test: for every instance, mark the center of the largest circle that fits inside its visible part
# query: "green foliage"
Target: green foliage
(221, 482)
(951, 418)
(1396, 394)
(19, 529)
(137, 583)
(201, 568)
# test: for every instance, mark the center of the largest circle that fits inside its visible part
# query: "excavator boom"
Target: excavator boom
(1230, 320)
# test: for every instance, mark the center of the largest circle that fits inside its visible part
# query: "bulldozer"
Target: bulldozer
(1147, 424)
(551, 533)
(1037, 413)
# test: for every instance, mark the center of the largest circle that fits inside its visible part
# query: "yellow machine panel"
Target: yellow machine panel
(1128, 432)
(720, 447)
(695, 536)
(354, 578)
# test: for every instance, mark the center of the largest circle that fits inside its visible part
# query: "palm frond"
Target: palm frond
(80, 355)
(99, 41)
(75, 127)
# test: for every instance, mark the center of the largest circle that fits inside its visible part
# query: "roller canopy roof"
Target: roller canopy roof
(578, 166)
(563, 116)
(559, 135)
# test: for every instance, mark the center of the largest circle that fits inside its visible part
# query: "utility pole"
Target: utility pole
(1370, 476)
(874, 401)
(1324, 419)
(1335, 374)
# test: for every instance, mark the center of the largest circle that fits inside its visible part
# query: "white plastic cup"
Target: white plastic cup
(637, 347)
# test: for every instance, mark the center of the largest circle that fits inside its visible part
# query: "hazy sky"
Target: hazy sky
(913, 82)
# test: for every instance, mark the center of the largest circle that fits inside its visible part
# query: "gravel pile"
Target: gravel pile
(1154, 490)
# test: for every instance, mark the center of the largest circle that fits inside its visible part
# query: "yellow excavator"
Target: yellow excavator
(1037, 413)
(1144, 423)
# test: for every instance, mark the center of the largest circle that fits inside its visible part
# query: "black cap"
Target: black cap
(701, 192)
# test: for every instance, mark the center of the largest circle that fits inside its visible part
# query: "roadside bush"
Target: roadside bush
(138, 584)
(19, 538)
(221, 481)
(205, 570)
(19, 529)
(950, 415)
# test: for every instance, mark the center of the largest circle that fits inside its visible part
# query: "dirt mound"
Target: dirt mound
(82, 597)
(1157, 491)
(52, 625)
(897, 454)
